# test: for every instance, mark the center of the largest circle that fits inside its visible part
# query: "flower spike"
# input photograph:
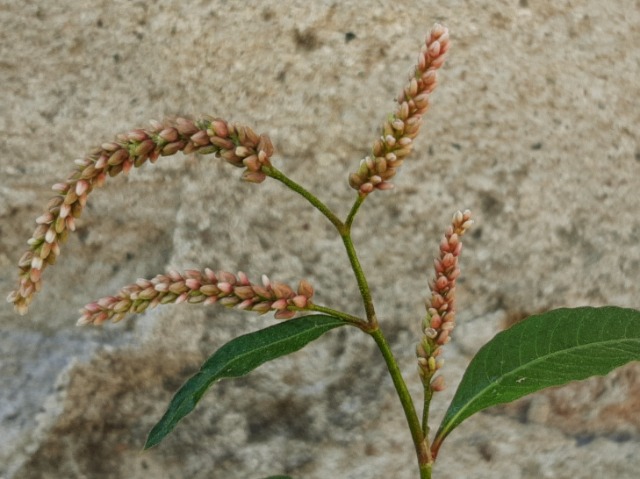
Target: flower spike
(400, 129)
(237, 144)
(440, 318)
(206, 287)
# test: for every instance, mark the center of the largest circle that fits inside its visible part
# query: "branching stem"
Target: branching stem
(371, 325)
(359, 322)
(276, 174)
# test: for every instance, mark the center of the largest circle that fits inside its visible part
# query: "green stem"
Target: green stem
(428, 394)
(371, 326)
(354, 209)
(343, 229)
(422, 451)
(363, 286)
(338, 314)
(276, 174)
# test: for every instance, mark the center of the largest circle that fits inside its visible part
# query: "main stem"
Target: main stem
(422, 451)
(363, 286)
(371, 327)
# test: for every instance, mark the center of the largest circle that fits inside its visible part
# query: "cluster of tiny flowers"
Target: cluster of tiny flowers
(205, 287)
(237, 144)
(440, 319)
(400, 129)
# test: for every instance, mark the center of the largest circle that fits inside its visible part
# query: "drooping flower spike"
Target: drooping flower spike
(237, 144)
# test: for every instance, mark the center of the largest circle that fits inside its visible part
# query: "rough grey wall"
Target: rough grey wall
(534, 127)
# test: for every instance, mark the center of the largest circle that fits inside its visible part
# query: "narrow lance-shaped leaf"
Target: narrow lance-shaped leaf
(550, 349)
(239, 357)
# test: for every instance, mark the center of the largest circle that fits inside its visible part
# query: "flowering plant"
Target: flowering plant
(545, 350)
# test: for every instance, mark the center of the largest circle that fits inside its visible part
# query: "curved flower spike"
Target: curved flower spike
(237, 144)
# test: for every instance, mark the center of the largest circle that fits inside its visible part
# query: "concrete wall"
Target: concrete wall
(534, 127)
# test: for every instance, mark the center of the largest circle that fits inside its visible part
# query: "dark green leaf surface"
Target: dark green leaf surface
(239, 357)
(545, 350)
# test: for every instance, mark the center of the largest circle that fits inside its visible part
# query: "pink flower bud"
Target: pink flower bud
(161, 287)
(246, 304)
(262, 292)
(262, 307)
(117, 157)
(200, 138)
(300, 301)
(144, 148)
(244, 292)
(281, 290)
(220, 128)
(60, 187)
(305, 289)
(126, 166)
(438, 62)
(438, 384)
(186, 127)
(279, 304)
(434, 49)
(169, 134)
(441, 283)
(182, 298)
(110, 147)
(211, 276)
(284, 314)
(227, 277)
(242, 151)
(366, 188)
(172, 148)
(223, 143)
(209, 290)
(252, 163)
(229, 301)
(178, 287)
(50, 236)
(265, 145)
(137, 135)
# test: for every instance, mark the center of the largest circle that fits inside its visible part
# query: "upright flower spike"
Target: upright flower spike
(237, 144)
(400, 129)
(440, 318)
(204, 287)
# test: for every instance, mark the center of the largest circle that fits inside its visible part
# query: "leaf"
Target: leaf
(239, 357)
(545, 350)
(278, 477)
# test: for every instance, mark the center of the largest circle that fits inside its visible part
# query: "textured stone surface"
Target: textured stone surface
(534, 127)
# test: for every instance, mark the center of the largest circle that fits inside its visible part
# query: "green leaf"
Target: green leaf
(239, 357)
(549, 349)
